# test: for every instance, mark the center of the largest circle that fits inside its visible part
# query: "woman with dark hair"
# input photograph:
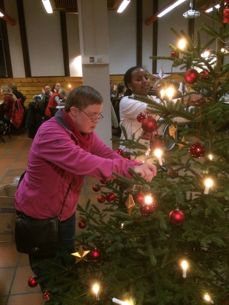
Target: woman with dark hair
(137, 82)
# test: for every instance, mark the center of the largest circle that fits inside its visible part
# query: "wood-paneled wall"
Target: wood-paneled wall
(31, 86)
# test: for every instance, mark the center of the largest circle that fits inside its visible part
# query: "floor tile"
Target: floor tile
(6, 279)
(20, 283)
(8, 255)
(26, 299)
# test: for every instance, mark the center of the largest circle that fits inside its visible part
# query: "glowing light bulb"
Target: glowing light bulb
(162, 93)
(182, 43)
(184, 264)
(69, 86)
(210, 157)
(158, 153)
(148, 199)
(205, 54)
(170, 92)
(207, 298)
(208, 183)
(95, 288)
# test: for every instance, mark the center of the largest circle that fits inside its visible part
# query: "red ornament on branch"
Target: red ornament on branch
(110, 197)
(147, 209)
(149, 124)
(176, 217)
(95, 254)
(174, 54)
(101, 198)
(140, 117)
(139, 197)
(226, 15)
(197, 150)
(32, 282)
(96, 187)
(204, 74)
(46, 295)
(191, 76)
(82, 223)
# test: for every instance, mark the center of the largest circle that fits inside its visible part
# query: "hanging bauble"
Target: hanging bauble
(226, 15)
(140, 198)
(101, 199)
(46, 295)
(147, 209)
(176, 217)
(204, 74)
(82, 223)
(174, 54)
(95, 254)
(110, 197)
(96, 187)
(32, 282)
(119, 151)
(140, 117)
(190, 76)
(149, 124)
(197, 150)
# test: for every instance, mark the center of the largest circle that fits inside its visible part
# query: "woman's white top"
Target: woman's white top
(129, 109)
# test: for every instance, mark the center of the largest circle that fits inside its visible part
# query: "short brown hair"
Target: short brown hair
(83, 96)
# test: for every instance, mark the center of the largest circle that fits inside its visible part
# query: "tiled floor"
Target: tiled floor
(14, 267)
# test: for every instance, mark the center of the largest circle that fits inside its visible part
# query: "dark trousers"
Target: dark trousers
(66, 244)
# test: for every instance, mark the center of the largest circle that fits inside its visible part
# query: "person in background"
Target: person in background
(137, 82)
(18, 94)
(64, 151)
(56, 88)
(56, 99)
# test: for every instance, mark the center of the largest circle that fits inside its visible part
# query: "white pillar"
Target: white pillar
(93, 30)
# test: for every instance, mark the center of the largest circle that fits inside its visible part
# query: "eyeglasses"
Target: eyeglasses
(93, 117)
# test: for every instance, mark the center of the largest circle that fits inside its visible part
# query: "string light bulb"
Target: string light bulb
(95, 288)
(182, 44)
(210, 157)
(207, 298)
(125, 302)
(148, 199)
(158, 153)
(184, 264)
(208, 184)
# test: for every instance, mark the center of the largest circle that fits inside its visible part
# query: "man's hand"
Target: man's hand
(146, 171)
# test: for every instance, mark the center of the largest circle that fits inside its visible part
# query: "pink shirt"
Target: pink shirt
(55, 161)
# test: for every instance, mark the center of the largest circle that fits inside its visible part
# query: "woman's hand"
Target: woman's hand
(146, 171)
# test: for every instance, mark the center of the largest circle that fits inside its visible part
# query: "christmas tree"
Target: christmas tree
(165, 242)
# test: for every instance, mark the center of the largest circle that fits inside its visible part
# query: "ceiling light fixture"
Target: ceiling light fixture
(170, 8)
(209, 10)
(123, 5)
(190, 14)
(47, 6)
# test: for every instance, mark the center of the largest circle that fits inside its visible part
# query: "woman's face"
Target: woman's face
(140, 83)
(86, 119)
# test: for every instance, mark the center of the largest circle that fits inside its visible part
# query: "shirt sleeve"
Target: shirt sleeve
(130, 108)
(60, 150)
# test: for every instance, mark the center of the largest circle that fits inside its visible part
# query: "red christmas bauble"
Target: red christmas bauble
(226, 15)
(95, 254)
(147, 209)
(119, 151)
(111, 197)
(177, 217)
(197, 150)
(101, 198)
(82, 223)
(190, 76)
(149, 124)
(174, 54)
(140, 117)
(204, 74)
(32, 282)
(46, 295)
(139, 197)
(96, 187)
